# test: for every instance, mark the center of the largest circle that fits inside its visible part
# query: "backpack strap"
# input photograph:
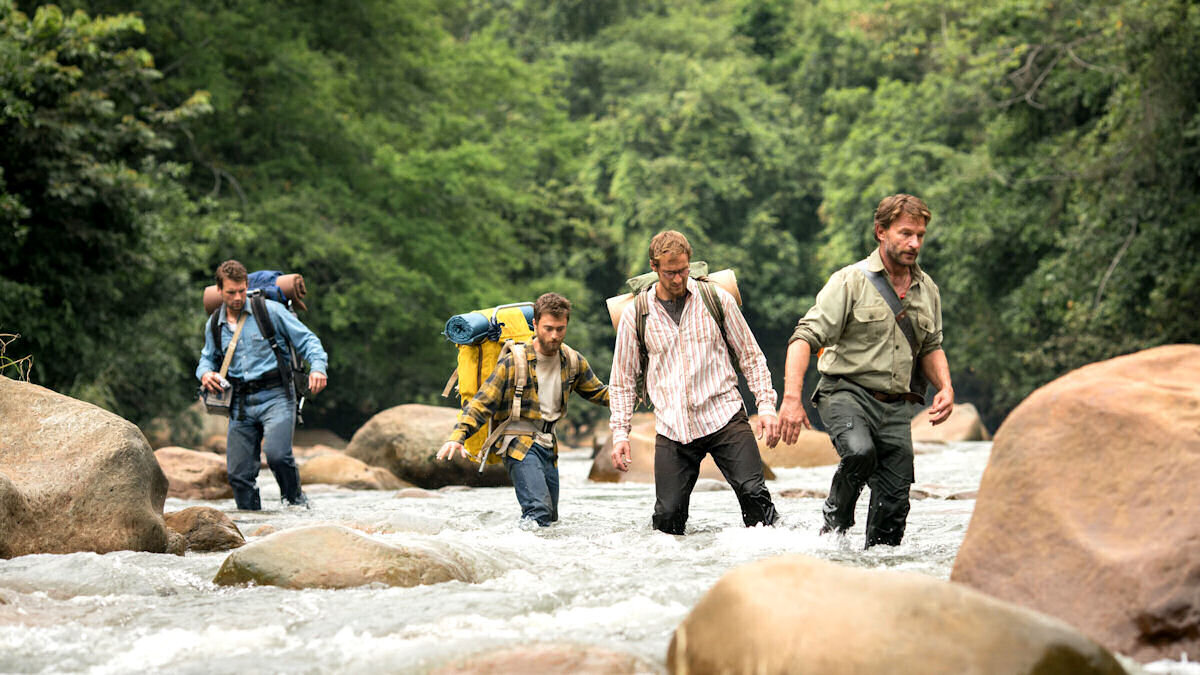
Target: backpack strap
(641, 303)
(520, 377)
(266, 326)
(214, 327)
(708, 293)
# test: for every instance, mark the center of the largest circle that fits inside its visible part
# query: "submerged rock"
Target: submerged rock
(332, 556)
(194, 475)
(550, 659)
(74, 477)
(1088, 508)
(813, 616)
(339, 469)
(205, 529)
(405, 440)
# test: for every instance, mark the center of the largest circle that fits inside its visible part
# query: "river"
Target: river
(600, 576)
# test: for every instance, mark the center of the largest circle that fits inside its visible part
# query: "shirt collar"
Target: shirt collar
(875, 264)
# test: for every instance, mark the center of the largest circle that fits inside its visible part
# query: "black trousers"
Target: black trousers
(677, 466)
(874, 441)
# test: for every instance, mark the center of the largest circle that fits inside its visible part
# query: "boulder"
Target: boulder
(205, 529)
(812, 448)
(549, 659)
(193, 474)
(74, 477)
(332, 556)
(641, 468)
(1088, 509)
(405, 440)
(303, 438)
(964, 424)
(338, 469)
(814, 616)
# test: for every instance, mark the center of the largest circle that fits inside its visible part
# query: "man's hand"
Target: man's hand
(943, 405)
(792, 419)
(316, 382)
(211, 382)
(448, 449)
(766, 427)
(621, 455)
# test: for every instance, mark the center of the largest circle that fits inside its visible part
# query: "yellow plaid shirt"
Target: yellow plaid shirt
(494, 399)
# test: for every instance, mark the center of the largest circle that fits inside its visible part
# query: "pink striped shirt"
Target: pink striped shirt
(691, 383)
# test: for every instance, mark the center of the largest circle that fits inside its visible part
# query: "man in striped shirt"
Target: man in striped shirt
(694, 390)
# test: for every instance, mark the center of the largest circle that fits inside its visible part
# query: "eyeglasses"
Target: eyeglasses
(675, 273)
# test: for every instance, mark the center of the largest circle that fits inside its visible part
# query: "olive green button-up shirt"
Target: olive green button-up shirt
(860, 336)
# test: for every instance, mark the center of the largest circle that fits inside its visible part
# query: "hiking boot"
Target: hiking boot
(302, 500)
(827, 528)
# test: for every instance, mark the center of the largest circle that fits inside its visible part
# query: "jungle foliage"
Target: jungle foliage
(417, 159)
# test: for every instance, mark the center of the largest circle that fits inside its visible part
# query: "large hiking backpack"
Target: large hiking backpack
(483, 337)
(289, 291)
(640, 290)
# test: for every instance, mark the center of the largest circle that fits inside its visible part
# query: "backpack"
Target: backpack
(483, 337)
(642, 287)
(285, 289)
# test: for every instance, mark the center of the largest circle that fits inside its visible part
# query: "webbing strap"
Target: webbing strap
(237, 333)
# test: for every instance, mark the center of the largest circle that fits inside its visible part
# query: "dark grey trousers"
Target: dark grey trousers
(677, 466)
(874, 441)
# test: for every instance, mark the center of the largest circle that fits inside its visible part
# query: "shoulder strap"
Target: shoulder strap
(884, 286)
(520, 376)
(641, 307)
(237, 333)
(708, 293)
(262, 315)
(214, 327)
(573, 364)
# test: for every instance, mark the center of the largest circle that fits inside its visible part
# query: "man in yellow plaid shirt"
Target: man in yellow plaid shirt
(529, 447)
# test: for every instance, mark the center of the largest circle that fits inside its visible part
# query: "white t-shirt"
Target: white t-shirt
(549, 376)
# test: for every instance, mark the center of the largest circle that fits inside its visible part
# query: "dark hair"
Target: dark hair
(231, 270)
(553, 304)
(891, 208)
(668, 241)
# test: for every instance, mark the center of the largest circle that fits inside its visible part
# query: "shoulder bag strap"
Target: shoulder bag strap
(237, 333)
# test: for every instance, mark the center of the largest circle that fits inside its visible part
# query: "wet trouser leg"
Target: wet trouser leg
(677, 466)
(535, 480)
(267, 425)
(874, 442)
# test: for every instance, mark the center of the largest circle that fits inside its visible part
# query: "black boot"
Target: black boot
(247, 499)
(288, 478)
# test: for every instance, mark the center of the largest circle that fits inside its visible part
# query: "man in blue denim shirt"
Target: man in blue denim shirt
(263, 414)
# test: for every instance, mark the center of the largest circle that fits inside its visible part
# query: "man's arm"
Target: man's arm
(206, 370)
(479, 409)
(622, 383)
(754, 367)
(307, 344)
(937, 370)
(589, 386)
(792, 417)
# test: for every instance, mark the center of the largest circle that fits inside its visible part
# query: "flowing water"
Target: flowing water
(601, 576)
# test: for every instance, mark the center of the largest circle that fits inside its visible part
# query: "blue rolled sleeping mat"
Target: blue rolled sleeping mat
(472, 328)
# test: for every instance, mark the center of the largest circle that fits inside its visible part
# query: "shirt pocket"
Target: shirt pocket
(874, 320)
(924, 327)
(660, 338)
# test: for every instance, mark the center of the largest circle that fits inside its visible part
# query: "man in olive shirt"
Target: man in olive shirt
(868, 394)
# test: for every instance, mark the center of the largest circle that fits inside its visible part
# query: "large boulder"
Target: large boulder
(194, 475)
(405, 440)
(1088, 508)
(812, 448)
(74, 477)
(332, 556)
(549, 659)
(205, 529)
(964, 424)
(641, 466)
(814, 616)
(348, 472)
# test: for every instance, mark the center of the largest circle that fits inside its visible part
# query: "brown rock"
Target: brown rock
(74, 477)
(812, 448)
(303, 438)
(194, 475)
(641, 468)
(1088, 508)
(263, 530)
(176, 543)
(214, 443)
(332, 556)
(549, 659)
(348, 472)
(417, 493)
(205, 529)
(964, 424)
(405, 440)
(304, 452)
(805, 493)
(813, 616)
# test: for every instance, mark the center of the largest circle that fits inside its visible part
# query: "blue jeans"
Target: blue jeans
(536, 481)
(270, 421)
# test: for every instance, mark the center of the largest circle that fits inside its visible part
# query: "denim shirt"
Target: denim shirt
(253, 358)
